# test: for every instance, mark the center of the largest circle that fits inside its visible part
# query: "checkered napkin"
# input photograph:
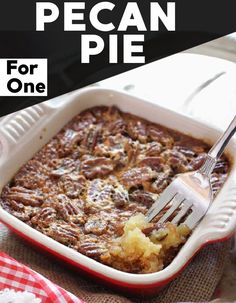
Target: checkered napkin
(18, 277)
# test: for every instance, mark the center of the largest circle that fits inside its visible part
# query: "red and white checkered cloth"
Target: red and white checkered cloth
(19, 277)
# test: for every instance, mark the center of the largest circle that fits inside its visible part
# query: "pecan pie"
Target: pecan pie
(91, 185)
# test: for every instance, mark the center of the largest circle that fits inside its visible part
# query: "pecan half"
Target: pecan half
(99, 195)
(72, 185)
(197, 162)
(92, 249)
(95, 226)
(63, 233)
(176, 160)
(137, 176)
(153, 149)
(70, 210)
(217, 181)
(44, 217)
(156, 134)
(186, 151)
(19, 207)
(142, 197)
(137, 130)
(117, 127)
(33, 175)
(91, 139)
(97, 167)
(65, 166)
(161, 182)
(68, 141)
(120, 198)
(24, 196)
(83, 121)
(154, 162)
(132, 150)
(222, 166)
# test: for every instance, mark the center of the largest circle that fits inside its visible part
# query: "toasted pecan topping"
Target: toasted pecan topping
(101, 170)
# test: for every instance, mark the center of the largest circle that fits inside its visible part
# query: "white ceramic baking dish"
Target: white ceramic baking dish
(25, 132)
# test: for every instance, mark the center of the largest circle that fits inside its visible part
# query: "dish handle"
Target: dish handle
(21, 124)
(18, 128)
(220, 222)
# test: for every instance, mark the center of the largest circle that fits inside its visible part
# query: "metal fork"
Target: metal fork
(190, 194)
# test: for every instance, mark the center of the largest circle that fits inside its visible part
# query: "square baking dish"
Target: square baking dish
(23, 133)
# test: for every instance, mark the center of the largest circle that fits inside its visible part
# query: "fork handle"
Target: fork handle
(218, 148)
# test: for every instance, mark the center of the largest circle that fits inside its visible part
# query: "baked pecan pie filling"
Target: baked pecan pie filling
(91, 185)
